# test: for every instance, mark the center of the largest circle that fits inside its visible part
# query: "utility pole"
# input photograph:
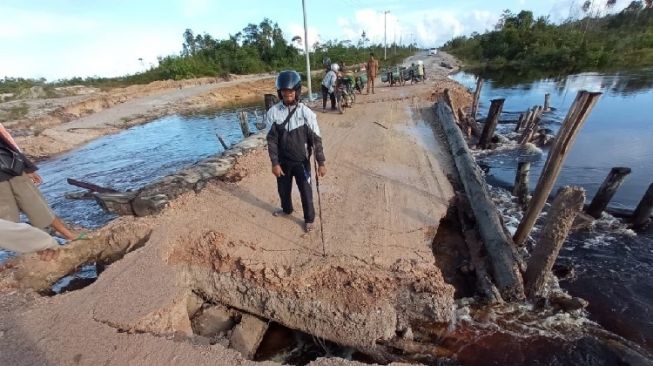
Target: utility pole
(308, 62)
(385, 35)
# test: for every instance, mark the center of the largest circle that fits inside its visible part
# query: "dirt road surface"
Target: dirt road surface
(370, 280)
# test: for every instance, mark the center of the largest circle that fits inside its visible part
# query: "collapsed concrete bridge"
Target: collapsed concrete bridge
(382, 202)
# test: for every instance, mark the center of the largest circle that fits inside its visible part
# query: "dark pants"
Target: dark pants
(302, 174)
(325, 92)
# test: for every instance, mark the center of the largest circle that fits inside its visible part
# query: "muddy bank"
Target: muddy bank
(57, 125)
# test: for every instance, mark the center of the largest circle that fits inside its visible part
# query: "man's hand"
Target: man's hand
(321, 170)
(276, 170)
(35, 177)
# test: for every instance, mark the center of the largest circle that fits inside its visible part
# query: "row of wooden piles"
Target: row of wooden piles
(501, 273)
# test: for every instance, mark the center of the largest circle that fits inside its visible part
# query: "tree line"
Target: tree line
(592, 42)
(256, 48)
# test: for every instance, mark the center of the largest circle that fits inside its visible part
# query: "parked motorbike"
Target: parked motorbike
(344, 93)
(360, 82)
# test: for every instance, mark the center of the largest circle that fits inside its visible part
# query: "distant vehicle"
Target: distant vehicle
(433, 52)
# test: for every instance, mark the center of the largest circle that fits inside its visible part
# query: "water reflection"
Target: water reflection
(618, 132)
(619, 82)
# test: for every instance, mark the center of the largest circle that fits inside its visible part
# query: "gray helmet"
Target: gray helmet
(289, 79)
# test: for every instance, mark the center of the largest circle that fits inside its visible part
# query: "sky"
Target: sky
(57, 39)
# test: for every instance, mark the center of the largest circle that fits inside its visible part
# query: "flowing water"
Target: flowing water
(613, 265)
(135, 157)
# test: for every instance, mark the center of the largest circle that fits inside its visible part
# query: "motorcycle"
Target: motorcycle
(394, 75)
(360, 82)
(344, 93)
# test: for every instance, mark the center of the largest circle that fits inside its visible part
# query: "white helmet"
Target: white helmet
(420, 62)
(335, 67)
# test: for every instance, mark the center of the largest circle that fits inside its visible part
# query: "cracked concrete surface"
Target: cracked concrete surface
(375, 275)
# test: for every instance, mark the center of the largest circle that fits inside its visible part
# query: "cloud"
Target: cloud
(427, 28)
(438, 26)
(376, 26)
(565, 9)
(194, 8)
(18, 23)
(109, 54)
(295, 29)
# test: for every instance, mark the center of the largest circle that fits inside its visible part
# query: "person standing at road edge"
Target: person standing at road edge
(372, 68)
(293, 137)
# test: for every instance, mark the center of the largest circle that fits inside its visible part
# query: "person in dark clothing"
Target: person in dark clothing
(18, 191)
(293, 137)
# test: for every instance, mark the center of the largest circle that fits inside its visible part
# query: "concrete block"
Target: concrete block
(212, 321)
(247, 335)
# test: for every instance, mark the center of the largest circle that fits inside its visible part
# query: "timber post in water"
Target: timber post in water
(243, 124)
(567, 204)
(270, 100)
(608, 188)
(575, 119)
(500, 250)
(224, 145)
(520, 190)
(477, 97)
(491, 123)
(547, 102)
(520, 120)
(644, 209)
(531, 125)
(523, 121)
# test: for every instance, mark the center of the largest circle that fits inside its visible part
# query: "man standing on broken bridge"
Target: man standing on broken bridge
(293, 136)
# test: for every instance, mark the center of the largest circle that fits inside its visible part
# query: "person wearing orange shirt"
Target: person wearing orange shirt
(372, 70)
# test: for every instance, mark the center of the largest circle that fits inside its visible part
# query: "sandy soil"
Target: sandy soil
(373, 275)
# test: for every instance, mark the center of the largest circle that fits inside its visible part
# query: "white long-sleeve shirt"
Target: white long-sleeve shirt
(329, 80)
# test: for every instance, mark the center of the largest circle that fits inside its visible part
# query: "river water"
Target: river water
(135, 157)
(613, 265)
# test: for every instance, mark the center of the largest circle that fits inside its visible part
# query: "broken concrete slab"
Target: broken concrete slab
(351, 303)
(247, 335)
(213, 320)
(157, 304)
